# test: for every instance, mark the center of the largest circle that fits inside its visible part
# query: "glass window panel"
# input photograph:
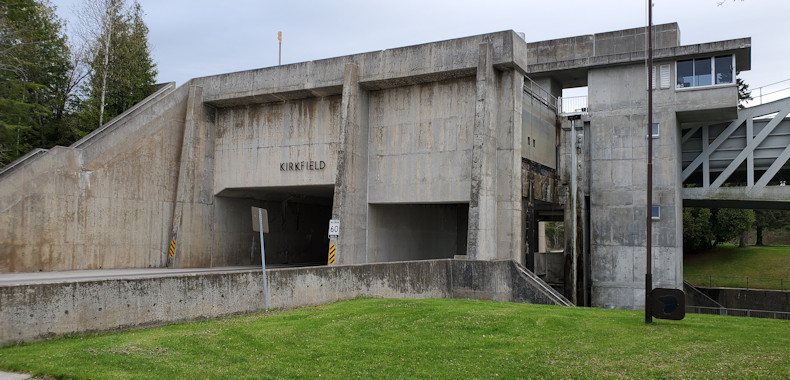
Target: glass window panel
(655, 129)
(685, 73)
(724, 69)
(702, 72)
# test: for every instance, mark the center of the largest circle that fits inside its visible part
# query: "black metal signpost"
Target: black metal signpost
(660, 303)
(649, 244)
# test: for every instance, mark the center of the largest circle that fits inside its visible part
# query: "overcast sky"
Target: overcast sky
(197, 38)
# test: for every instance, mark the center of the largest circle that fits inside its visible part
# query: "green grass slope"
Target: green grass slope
(383, 338)
(729, 266)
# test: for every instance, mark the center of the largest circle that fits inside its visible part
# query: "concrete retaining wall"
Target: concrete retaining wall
(45, 310)
(695, 297)
(752, 299)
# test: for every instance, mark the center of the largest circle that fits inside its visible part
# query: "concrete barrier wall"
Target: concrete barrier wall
(752, 299)
(105, 203)
(45, 310)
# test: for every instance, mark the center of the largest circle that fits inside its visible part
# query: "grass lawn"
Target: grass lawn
(383, 338)
(764, 266)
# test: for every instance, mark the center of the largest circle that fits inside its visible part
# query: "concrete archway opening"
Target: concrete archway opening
(298, 220)
(400, 232)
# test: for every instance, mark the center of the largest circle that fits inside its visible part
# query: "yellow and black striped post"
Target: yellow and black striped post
(172, 248)
(332, 249)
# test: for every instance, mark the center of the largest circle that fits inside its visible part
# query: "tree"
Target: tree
(34, 67)
(697, 230)
(729, 224)
(765, 220)
(744, 94)
(121, 69)
(555, 235)
(705, 228)
(44, 97)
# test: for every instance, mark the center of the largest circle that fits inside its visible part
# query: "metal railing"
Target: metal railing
(33, 154)
(769, 93)
(738, 282)
(540, 93)
(738, 312)
(573, 104)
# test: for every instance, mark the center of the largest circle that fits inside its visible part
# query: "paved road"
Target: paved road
(102, 274)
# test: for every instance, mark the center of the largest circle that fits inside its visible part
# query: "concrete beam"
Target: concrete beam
(768, 197)
(568, 59)
(422, 63)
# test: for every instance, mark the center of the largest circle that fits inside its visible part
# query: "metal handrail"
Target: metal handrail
(540, 93)
(738, 312)
(745, 280)
(29, 156)
(761, 95)
(573, 104)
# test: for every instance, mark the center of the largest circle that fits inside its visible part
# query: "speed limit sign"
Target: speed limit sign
(334, 227)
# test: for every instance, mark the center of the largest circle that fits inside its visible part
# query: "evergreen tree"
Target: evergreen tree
(34, 67)
(121, 69)
(744, 94)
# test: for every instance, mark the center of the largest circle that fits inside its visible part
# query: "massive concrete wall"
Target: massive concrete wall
(618, 181)
(421, 142)
(106, 202)
(280, 156)
(420, 153)
(110, 304)
(438, 123)
(258, 145)
(184, 166)
(618, 185)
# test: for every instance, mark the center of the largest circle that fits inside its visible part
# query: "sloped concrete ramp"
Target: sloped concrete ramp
(46, 309)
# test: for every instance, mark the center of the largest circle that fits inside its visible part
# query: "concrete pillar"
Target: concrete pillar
(351, 184)
(192, 228)
(508, 166)
(483, 197)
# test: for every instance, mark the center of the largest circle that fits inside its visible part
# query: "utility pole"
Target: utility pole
(280, 56)
(649, 243)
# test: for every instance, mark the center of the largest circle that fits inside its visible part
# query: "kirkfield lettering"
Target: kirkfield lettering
(302, 165)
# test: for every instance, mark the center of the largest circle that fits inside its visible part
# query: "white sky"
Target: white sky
(200, 37)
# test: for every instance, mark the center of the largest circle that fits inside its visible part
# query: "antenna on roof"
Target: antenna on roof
(280, 56)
